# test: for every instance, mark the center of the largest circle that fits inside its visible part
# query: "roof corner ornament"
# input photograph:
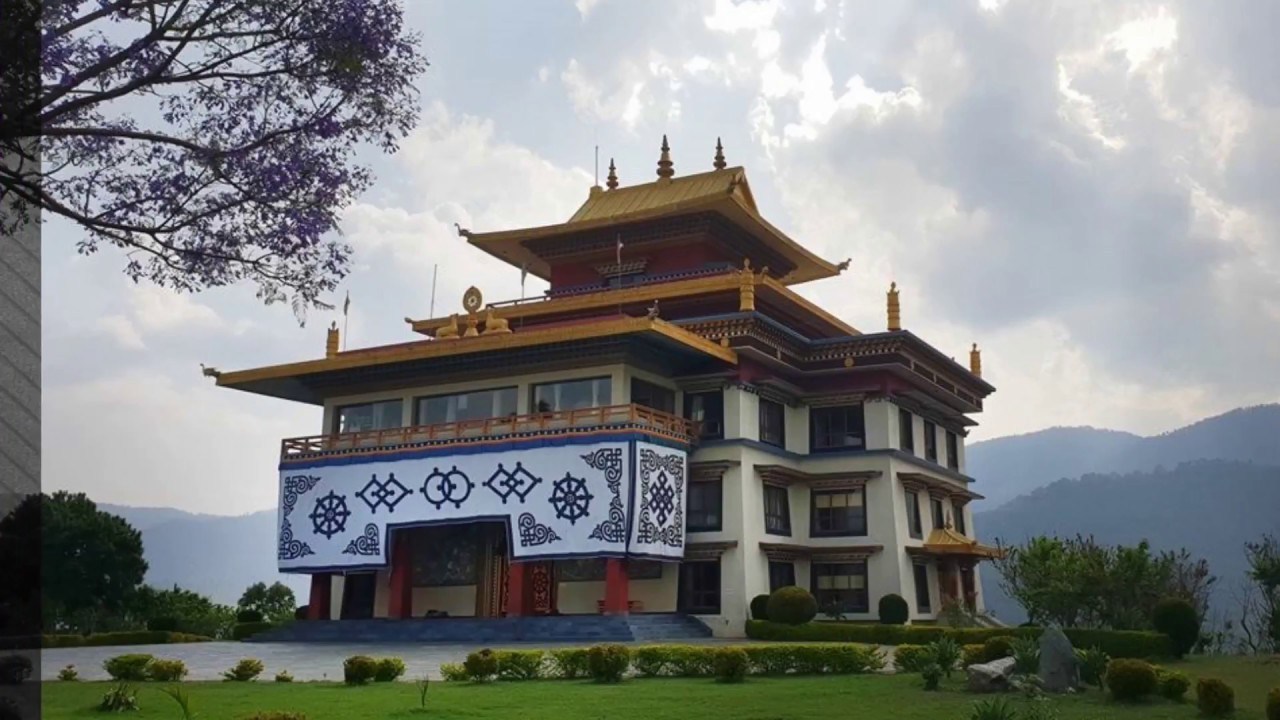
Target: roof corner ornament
(895, 311)
(719, 163)
(844, 265)
(611, 182)
(652, 313)
(975, 361)
(462, 232)
(494, 325)
(450, 330)
(666, 168)
(331, 342)
(212, 372)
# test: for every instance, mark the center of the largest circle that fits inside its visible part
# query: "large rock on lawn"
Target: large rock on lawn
(990, 677)
(1059, 669)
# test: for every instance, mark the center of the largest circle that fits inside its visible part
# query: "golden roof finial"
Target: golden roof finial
(331, 341)
(719, 163)
(975, 361)
(895, 312)
(666, 168)
(611, 182)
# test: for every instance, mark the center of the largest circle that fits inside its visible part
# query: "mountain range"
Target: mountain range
(1208, 487)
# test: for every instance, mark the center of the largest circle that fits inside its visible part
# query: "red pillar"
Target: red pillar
(516, 605)
(615, 587)
(400, 603)
(321, 590)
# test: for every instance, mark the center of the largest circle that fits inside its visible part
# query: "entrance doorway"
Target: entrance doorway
(358, 590)
(699, 589)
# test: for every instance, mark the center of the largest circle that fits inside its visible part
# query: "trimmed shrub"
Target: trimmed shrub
(520, 664)
(607, 663)
(893, 610)
(243, 630)
(1093, 666)
(1273, 704)
(1215, 698)
(1130, 680)
(973, 654)
(284, 677)
(651, 660)
(300, 613)
(247, 670)
(387, 669)
(760, 607)
(1000, 646)
(568, 663)
(769, 659)
(121, 698)
(791, 605)
(481, 665)
(130, 637)
(1172, 684)
(359, 669)
(14, 669)
(167, 670)
(911, 658)
(690, 660)
(68, 674)
(932, 674)
(1178, 619)
(249, 615)
(166, 623)
(132, 667)
(453, 672)
(730, 664)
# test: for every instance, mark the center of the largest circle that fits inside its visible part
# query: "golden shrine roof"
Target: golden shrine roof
(623, 201)
(945, 541)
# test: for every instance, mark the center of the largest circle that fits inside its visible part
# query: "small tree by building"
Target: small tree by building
(276, 601)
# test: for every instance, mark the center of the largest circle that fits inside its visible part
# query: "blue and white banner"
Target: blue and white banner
(614, 497)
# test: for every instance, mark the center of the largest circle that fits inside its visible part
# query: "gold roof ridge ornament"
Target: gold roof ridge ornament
(894, 310)
(666, 168)
(719, 162)
(611, 182)
(331, 341)
(975, 361)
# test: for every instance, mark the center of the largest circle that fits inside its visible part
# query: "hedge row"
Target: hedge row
(242, 630)
(128, 637)
(1116, 643)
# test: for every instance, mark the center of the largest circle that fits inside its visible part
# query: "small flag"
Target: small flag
(524, 273)
(346, 304)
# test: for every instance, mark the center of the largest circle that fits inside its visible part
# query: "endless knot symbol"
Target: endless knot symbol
(570, 498)
(389, 493)
(662, 501)
(453, 486)
(291, 549)
(534, 533)
(330, 515)
(296, 485)
(366, 544)
(505, 483)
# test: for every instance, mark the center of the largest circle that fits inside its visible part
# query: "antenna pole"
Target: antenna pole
(597, 165)
(435, 267)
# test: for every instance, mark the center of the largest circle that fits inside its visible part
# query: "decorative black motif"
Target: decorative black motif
(519, 482)
(571, 499)
(291, 549)
(534, 533)
(296, 485)
(661, 495)
(613, 530)
(366, 544)
(389, 492)
(330, 515)
(447, 487)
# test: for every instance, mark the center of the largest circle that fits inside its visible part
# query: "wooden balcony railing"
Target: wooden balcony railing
(663, 423)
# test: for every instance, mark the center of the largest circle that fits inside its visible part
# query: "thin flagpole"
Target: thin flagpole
(434, 268)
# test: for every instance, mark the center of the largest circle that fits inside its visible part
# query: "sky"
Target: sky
(1085, 189)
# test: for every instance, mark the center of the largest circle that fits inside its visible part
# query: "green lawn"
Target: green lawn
(866, 697)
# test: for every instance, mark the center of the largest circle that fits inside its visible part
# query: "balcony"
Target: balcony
(559, 423)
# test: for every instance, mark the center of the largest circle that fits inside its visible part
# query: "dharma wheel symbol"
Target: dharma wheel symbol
(472, 299)
(571, 498)
(330, 515)
(447, 487)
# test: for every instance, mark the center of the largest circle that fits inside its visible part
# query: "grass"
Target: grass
(868, 697)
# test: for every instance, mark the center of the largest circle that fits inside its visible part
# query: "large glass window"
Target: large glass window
(838, 512)
(706, 409)
(777, 510)
(478, 405)
(953, 451)
(370, 416)
(906, 431)
(704, 506)
(914, 526)
(939, 515)
(836, 428)
(781, 574)
(930, 441)
(653, 396)
(922, 588)
(841, 585)
(772, 423)
(699, 590)
(572, 394)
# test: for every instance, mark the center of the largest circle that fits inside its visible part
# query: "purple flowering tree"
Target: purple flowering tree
(213, 141)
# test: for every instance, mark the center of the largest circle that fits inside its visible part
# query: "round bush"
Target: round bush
(760, 607)
(1130, 680)
(388, 669)
(893, 610)
(165, 623)
(1273, 704)
(132, 666)
(249, 615)
(1215, 698)
(911, 658)
(792, 605)
(607, 663)
(1000, 646)
(1172, 684)
(167, 670)
(359, 669)
(1176, 618)
(246, 670)
(481, 665)
(730, 664)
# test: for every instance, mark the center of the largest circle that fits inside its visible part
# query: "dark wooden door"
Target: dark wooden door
(540, 588)
(358, 590)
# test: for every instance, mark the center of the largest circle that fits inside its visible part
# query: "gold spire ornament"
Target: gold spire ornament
(975, 361)
(746, 287)
(666, 168)
(331, 342)
(719, 163)
(611, 182)
(895, 312)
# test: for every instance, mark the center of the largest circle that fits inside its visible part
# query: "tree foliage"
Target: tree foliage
(194, 613)
(276, 602)
(1260, 600)
(1079, 583)
(211, 140)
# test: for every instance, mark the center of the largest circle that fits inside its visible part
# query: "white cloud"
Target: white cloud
(121, 329)
(585, 7)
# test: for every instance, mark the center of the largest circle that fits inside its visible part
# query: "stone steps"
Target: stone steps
(478, 631)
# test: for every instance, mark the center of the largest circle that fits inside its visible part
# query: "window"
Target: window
(922, 588)
(706, 409)
(479, 405)
(772, 418)
(930, 441)
(781, 574)
(370, 416)
(842, 585)
(653, 396)
(906, 431)
(699, 590)
(957, 511)
(777, 511)
(939, 515)
(572, 395)
(953, 451)
(838, 512)
(914, 526)
(704, 506)
(832, 428)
